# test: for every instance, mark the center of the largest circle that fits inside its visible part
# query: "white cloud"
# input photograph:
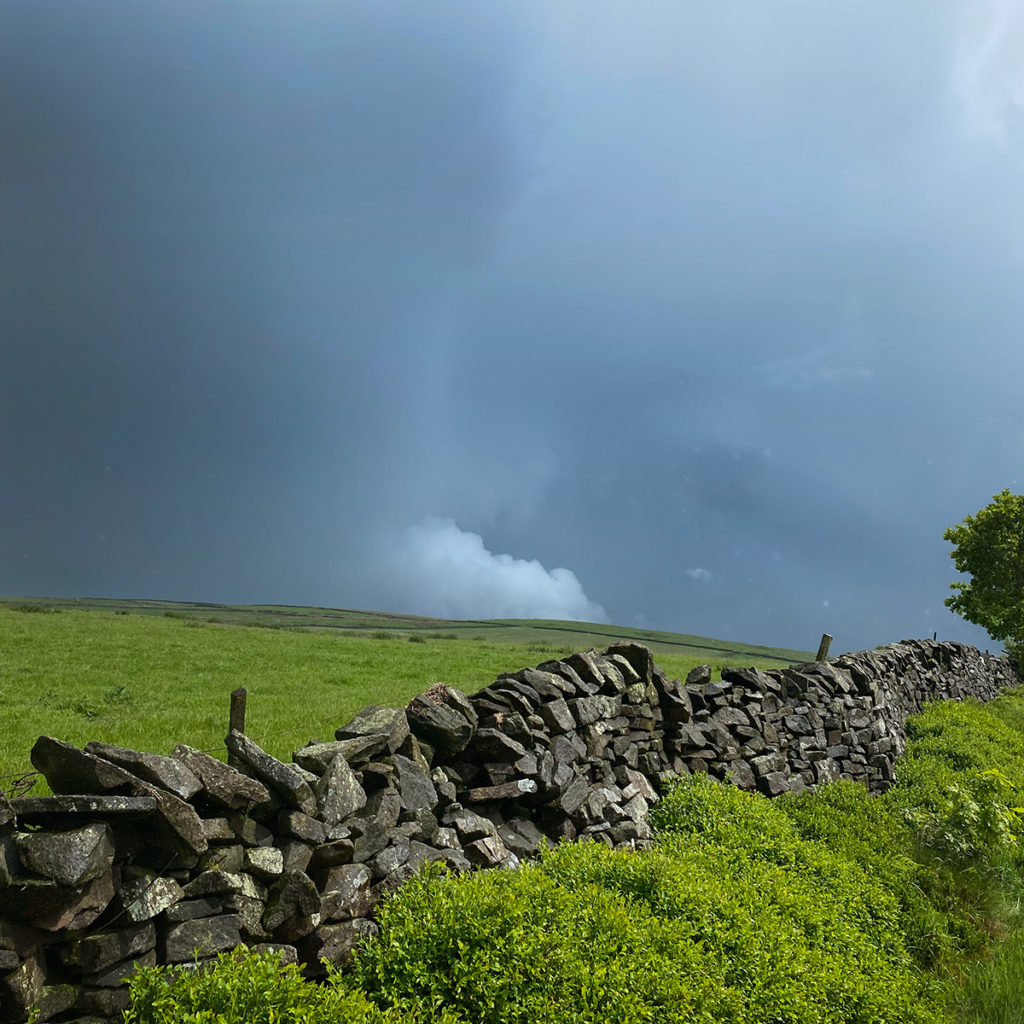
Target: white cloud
(988, 71)
(701, 575)
(810, 368)
(445, 571)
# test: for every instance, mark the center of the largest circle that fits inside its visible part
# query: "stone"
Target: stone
(637, 783)
(570, 800)
(69, 858)
(491, 745)
(585, 665)
(421, 853)
(220, 883)
(384, 808)
(166, 772)
(317, 757)
(95, 953)
(221, 783)
(339, 940)
(287, 954)
(637, 657)
(203, 937)
(284, 781)
(768, 764)
(248, 831)
(310, 777)
(415, 789)
(373, 837)
(338, 793)
(56, 811)
(103, 1003)
(250, 915)
(296, 855)
(550, 685)
(469, 826)
(293, 896)
(223, 858)
(506, 791)
(511, 723)
(119, 973)
(635, 808)
(217, 830)
(730, 717)
(376, 775)
(699, 676)
(7, 816)
(346, 893)
(70, 770)
(55, 907)
(557, 716)
(264, 862)
(145, 897)
(587, 710)
(390, 723)
(446, 725)
(338, 851)
(55, 1000)
(446, 839)
(570, 675)
(301, 826)
(773, 784)
(180, 824)
(425, 822)
(391, 858)
(521, 836)
(21, 989)
(489, 852)
(189, 910)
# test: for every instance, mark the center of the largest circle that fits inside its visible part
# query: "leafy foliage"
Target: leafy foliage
(989, 547)
(250, 988)
(825, 907)
(971, 822)
(733, 918)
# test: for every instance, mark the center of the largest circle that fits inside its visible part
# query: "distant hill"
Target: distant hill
(549, 632)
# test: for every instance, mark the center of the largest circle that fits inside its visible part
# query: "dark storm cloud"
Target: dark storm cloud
(224, 229)
(717, 307)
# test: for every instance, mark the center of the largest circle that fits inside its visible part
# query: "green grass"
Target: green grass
(148, 675)
(383, 625)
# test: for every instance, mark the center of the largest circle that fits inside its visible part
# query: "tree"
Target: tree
(989, 547)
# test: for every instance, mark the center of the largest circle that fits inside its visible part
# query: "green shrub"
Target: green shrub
(973, 824)
(732, 918)
(501, 947)
(249, 988)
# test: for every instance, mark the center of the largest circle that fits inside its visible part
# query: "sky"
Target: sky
(699, 317)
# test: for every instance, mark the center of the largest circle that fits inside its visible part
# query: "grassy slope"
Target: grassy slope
(149, 681)
(341, 621)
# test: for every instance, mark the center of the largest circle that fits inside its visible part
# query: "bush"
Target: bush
(248, 988)
(732, 918)
(501, 947)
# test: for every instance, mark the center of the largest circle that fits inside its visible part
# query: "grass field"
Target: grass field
(149, 674)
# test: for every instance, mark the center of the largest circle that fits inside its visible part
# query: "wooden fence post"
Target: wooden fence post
(826, 642)
(236, 718)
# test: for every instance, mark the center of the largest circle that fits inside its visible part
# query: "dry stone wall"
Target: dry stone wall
(144, 859)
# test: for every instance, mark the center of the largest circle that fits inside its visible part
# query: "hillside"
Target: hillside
(148, 674)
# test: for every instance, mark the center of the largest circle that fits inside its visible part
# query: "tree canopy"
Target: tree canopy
(989, 547)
